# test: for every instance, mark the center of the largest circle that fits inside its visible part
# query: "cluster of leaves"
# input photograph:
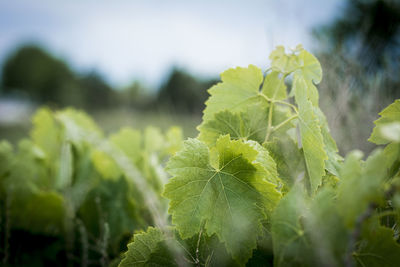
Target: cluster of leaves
(263, 183)
(69, 195)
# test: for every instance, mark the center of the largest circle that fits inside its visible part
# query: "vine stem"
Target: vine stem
(270, 128)
(197, 248)
(275, 128)
(279, 102)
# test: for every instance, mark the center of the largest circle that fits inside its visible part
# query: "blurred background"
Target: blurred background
(139, 63)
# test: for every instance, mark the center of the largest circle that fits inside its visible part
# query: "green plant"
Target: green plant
(70, 195)
(263, 184)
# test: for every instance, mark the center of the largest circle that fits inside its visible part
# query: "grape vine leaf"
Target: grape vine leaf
(391, 132)
(299, 60)
(288, 158)
(105, 165)
(250, 124)
(225, 200)
(128, 141)
(392, 153)
(239, 88)
(114, 203)
(367, 178)
(310, 67)
(282, 62)
(378, 248)
(174, 138)
(6, 157)
(147, 250)
(289, 243)
(78, 127)
(274, 86)
(266, 161)
(311, 136)
(332, 164)
(46, 133)
(330, 241)
(390, 114)
(40, 212)
(153, 139)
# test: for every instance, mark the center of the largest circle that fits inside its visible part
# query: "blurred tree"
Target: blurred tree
(96, 92)
(364, 43)
(43, 77)
(360, 54)
(183, 92)
(369, 31)
(47, 79)
(136, 95)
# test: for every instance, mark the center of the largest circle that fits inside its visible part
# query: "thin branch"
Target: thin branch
(269, 129)
(197, 248)
(357, 232)
(270, 100)
(280, 125)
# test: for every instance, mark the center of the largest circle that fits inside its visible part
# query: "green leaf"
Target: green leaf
(282, 62)
(113, 202)
(391, 132)
(248, 125)
(289, 243)
(78, 127)
(267, 162)
(147, 250)
(299, 60)
(392, 153)
(6, 158)
(46, 133)
(239, 89)
(225, 199)
(288, 158)
(42, 212)
(129, 141)
(390, 114)
(311, 136)
(325, 229)
(378, 248)
(174, 136)
(274, 86)
(332, 164)
(310, 67)
(105, 165)
(367, 179)
(66, 168)
(153, 139)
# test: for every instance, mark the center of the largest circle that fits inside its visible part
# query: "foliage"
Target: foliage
(262, 184)
(265, 179)
(70, 183)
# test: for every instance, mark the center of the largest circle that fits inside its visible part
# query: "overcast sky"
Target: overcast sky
(127, 40)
